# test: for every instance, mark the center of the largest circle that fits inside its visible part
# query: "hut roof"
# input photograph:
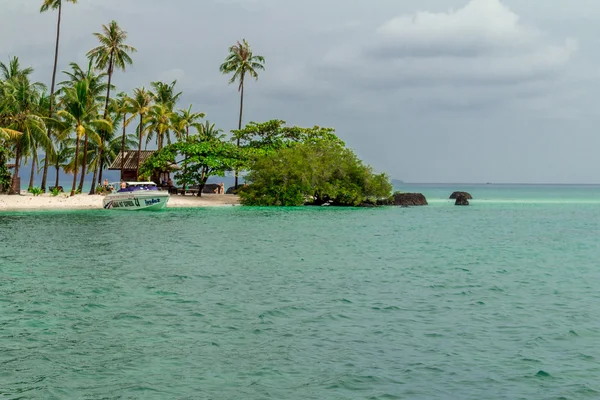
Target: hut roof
(10, 166)
(130, 159)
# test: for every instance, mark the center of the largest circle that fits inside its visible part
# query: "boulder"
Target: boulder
(454, 195)
(404, 200)
(461, 200)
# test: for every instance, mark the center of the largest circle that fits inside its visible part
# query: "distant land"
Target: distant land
(397, 182)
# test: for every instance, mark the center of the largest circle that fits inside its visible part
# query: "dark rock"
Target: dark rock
(461, 200)
(465, 194)
(213, 188)
(404, 200)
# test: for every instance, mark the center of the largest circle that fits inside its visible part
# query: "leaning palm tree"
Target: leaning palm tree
(139, 106)
(241, 62)
(53, 5)
(110, 54)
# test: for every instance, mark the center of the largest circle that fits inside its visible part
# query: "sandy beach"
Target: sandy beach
(26, 201)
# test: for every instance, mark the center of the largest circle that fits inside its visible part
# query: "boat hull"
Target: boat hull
(136, 201)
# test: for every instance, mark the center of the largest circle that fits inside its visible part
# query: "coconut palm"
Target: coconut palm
(121, 107)
(139, 106)
(241, 62)
(164, 93)
(184, 120)
(22, 122)
(160, 122)
(208, 131)
(13, 70)
(110, 54)
(80, 114)
(53, 5)
(95, 87)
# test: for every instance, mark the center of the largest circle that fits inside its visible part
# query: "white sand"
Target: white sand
(26, 201)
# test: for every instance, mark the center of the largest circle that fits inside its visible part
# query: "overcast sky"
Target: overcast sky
(426, 90)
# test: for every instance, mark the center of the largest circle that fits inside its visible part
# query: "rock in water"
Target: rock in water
(461, 200)
(454, 195)
(407, 199)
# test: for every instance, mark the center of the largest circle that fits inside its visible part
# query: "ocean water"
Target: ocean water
(498, 300)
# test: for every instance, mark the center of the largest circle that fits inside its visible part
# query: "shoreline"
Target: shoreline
(28, 202)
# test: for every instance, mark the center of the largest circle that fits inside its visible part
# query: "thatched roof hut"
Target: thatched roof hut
(128, 161)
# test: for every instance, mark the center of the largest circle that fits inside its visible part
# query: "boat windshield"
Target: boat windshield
(136, 188)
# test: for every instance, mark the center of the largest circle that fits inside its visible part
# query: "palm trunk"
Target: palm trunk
(240, 124)
(76, 162)
(13, 183)
(93, 189)
(45, 173)
(57, 173)
(84, 163)
(101, 149)
(31, 175)
(123, 146)
(137, 168)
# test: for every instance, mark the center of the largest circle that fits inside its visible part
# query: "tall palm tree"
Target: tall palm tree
(139, 106)
(53, 5)
(241, 62)
(81, 115)
(110, 54)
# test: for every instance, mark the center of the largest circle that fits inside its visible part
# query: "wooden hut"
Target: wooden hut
(127, 161)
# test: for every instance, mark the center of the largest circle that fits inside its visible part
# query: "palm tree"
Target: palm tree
(139, 106)
(121, 108)
(95, 87)
(186, 119)
(23, 124)
(112, 52)
(241, 62)
(12, 70)
(60, 159)
(160, 121)
(80, 114)
(164, 93)
(53, 5)
(208, 131)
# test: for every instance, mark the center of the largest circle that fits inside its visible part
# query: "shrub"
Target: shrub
(36, 191)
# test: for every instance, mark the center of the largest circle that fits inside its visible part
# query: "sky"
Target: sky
(437, 91)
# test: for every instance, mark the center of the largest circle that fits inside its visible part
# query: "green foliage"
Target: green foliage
(264, 137)
(36, 191)
(314, 172)
(55, 191)
(198, 160)
(4, 173)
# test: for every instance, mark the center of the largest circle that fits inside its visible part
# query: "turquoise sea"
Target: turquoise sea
(499, 300)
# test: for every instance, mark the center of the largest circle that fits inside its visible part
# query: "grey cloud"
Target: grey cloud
(413, 86)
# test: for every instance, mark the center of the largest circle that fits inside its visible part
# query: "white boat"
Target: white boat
(136, 196)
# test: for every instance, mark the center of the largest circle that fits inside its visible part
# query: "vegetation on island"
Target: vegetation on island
(83, 122)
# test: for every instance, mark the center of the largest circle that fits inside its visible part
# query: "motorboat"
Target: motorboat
(133, 196)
